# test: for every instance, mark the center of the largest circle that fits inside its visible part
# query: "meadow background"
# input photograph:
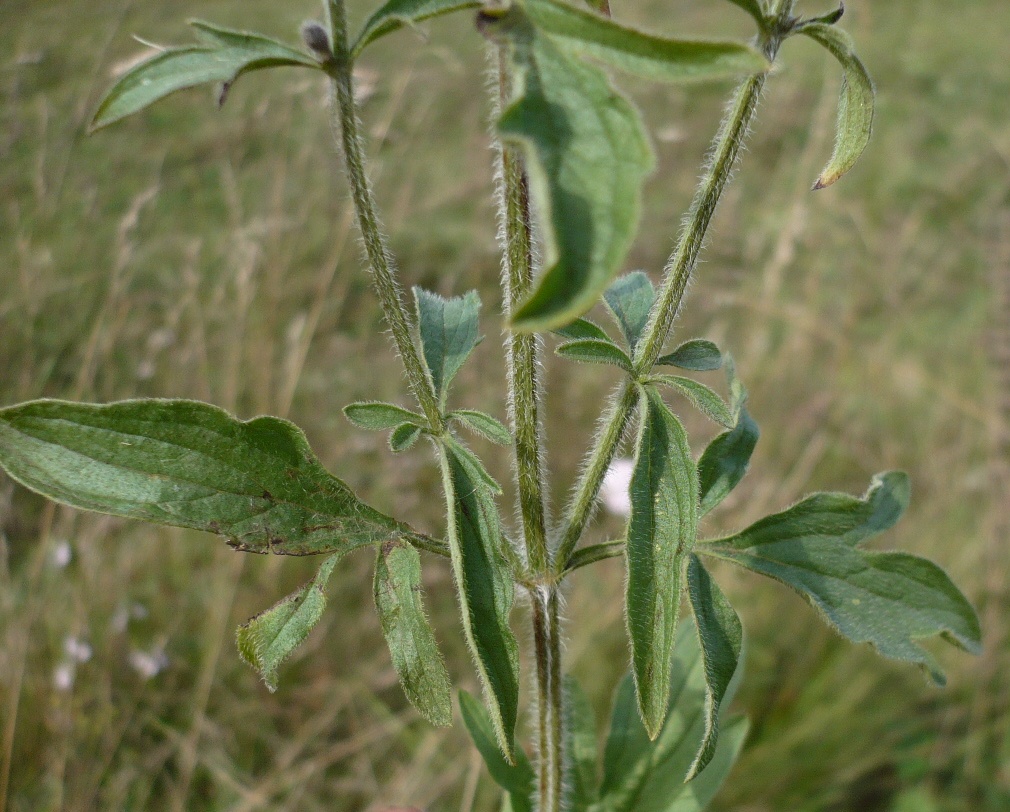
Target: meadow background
(209, 254)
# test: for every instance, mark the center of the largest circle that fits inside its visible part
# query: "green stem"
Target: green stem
(383, 276)
(521, 349)
(550, 709)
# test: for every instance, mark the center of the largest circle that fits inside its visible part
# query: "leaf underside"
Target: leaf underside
(397, 14)
(449, 333)
(516, 779)
(629, 300)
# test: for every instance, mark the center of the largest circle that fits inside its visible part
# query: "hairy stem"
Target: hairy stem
(550, 709)
(725, 151)
(383, 276)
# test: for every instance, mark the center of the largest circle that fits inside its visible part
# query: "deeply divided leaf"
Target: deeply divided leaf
(448, 329)
(594, 351)
(224, 56)
(661, 532)
(484, 587)
(696, 354)
(587, 158)
(516, 779)
(890, 600)
(652, 57)
(412, 645)
(396, 14)
(720, 636)
(269, 638)
(855, 106)
(629, 300)
(189, 464)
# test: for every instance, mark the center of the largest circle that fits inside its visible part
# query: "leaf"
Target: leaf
(629, 300)
(581, 328)
(580, 735)
(704, 398)
(585, 556)
(516, 779)
(484, 588)
(269, 638)
(889, 600)
(726, 459)
(594, 351)
(412, 645)
(476, 467)
(189, 464)
(226, 55)
(640, 775)
(484, 424)
(587, 158)
(448, 330)
(403, 437)
(720, 635)
(754, 8)
(696, 354)
(646, 55)
(377, 415)
(855, 105)
(661, 532)
(397, 14)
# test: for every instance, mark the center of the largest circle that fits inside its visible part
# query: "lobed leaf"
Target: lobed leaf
(516, 779)
(661, 532)
(647, 55)
(483, 424)
(696, 354)
(890, 600)
(269, 638)
(412, 645)
(397, 14)
(629, 300)
(594, 351)
(189, 464)
(484, 588)
(225, 56)
(378, 416)
(448, 329)
(403, 437)
(855, 105)
(587, 158)
(720, 635)
(701, 396)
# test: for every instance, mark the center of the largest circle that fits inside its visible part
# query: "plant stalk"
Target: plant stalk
(550, 707)
(383, 274)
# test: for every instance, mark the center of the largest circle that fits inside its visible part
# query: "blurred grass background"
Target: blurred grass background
(190, 252)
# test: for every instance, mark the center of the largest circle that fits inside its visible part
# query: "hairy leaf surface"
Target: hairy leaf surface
(397, 14)
(189, 464)
(704, 398)
(377, 416)
(483, 424)
(582, 328)
(448, 329)
(403, 437)
(629, 300)
(226, 55)
(594, 351)
(696, 354)
(516, 779)
(580, 735)
(890, 600)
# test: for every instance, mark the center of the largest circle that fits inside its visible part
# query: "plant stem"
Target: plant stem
(725, 151)
(521, 348)
(550, 708)
(383, 276)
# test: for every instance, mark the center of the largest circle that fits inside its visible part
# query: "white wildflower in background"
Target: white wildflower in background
(63, 676)
(75, 651)
(78, 651)
(614, 491)
(61, 554)
(148, 664)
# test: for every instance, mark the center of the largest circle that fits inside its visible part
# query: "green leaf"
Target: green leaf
(581, 328)
(661, 532)
(397, 14)
(226, 55)
(646, 55)
(640, 775)
(476, 467)
(448, 329)
(703, 398)
(269, 638)
(587, 158)
(754, 8)
(580, 736)
(726, 459)
(855, 106)
(584, 556)
(629, 300)
(485, 425)
(594, 351)
(720, 635)
(484, 588)
(403, 437)
(696, 354)
(412, 646)
(378, 416)
(516, 779)
(889, 600)
(189, 464)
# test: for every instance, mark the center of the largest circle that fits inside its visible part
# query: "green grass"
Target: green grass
(203, 253)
